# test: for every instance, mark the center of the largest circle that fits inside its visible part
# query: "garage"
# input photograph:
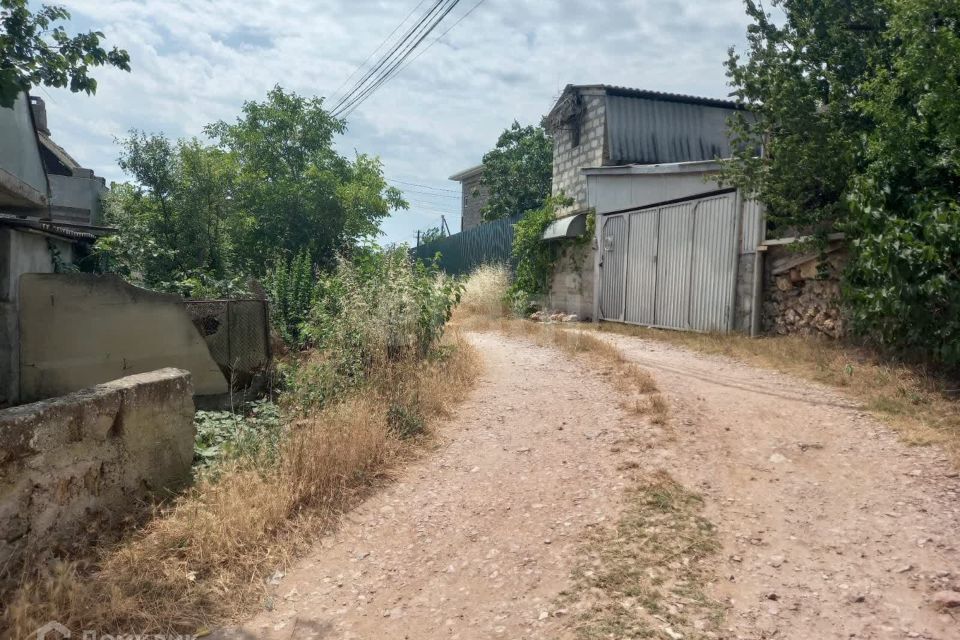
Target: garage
(684, 256)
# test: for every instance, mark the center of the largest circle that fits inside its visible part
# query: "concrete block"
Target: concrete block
(94, 451)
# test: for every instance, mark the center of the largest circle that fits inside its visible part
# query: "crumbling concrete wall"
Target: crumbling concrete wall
(67, 461)
(802, 293)
(81, 329)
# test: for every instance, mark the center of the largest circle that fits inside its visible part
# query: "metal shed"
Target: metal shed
(676, 250)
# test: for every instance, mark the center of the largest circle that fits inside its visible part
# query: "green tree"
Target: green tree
(296, 192)
(201, 218)
(430, 234)
(801, 77)
(903, 284)
(177, 222)
(517, 172)
(35, 51)
(857, 105)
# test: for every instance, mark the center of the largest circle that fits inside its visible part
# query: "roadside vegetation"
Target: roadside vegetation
(378, 370)
(856, 104)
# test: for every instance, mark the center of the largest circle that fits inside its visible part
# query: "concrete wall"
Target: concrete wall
(80, 329)
(65, 462)
(569, 159)
(609, 193)
(23, 181)
(76, 198)
(20, 252)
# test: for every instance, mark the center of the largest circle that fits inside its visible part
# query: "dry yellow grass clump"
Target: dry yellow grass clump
(207, 556)
(485, 293)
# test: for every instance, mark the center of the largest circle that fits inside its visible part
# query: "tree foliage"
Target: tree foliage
(200, 216)
(857, 105)
(904, 279)
(802, 78)
(34, 50)
(517, 172)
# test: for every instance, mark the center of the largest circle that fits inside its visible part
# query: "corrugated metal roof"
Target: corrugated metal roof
(54, 229)
(655, 131)
(663, 96)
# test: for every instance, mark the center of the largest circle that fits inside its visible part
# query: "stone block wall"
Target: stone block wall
(474, 196)
(799, 296)
(88, 457)
(571, 289)
(569, 159)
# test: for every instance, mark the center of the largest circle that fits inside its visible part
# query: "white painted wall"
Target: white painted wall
(608, 193)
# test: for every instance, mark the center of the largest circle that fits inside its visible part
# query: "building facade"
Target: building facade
(602, 127)
(473, 196)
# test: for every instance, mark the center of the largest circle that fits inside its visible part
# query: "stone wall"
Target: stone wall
(799, 296)
(571, 289)
(570, 158)
(475, 196)
(69, 462)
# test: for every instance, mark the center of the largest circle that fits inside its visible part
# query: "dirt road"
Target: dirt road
(830, 528)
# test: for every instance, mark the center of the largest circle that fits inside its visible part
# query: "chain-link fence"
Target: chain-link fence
(237, 333)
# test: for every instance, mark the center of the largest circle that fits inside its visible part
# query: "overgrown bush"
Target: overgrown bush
(857, 106)
(293, 289)
(378, 308)
(253, 434)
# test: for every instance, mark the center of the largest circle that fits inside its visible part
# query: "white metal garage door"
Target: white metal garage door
(673, 266)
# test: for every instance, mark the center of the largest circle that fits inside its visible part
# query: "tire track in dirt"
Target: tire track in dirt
(831, 527)
(477, 539)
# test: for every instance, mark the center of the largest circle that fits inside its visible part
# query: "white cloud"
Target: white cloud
(196, 61)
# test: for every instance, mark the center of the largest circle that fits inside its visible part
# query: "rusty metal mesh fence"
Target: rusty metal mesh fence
(237, 332)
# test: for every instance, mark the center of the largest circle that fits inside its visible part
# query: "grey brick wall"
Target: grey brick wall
(471, 204)
(569, 159)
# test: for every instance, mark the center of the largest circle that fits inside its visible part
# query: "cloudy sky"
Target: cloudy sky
(196, 61)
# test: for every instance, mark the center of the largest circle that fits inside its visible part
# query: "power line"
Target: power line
(425, 186)
(440, 37)
(394, 71)
(358, 99)
(432, 195)
(374, 52)
(407, 37)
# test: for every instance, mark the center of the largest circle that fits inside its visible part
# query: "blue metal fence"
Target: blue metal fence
(463, 252)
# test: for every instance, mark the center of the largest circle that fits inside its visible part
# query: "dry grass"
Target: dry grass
(485, 293)
(207, 557)
(648, 574)
(923, 407)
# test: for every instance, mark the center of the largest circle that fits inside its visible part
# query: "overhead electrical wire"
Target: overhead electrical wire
(394, 74)
(400, 47)
(432, 195)
(375, 51)
(425, 186)
(357, 97)
(440, 37)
